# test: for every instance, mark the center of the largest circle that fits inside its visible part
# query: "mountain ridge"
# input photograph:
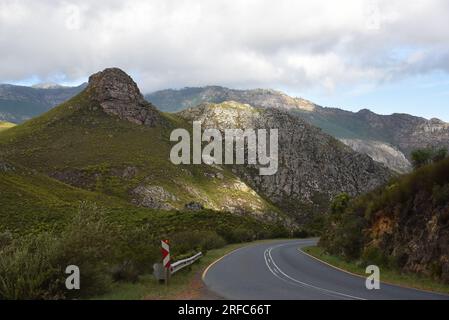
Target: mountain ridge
(21, 103)
(313, 166)
(109, 140)
(379, 134)
(398, 131)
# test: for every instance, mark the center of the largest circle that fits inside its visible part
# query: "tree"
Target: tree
(340, 203)
(439, 155)
(421, 157)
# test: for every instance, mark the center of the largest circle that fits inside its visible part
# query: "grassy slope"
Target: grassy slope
(183, 285)
(79, 135)
(32, 203)
(5, 125)
(387, 275)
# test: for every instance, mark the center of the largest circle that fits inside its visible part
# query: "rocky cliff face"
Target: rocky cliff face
(313, 166)
(403, 225)
(118, 95)
(381, 152)
(178, 100)
(419, 240)
(404, 131)
(109, 140)
(400, 131)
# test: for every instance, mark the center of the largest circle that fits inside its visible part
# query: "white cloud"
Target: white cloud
(246, 43)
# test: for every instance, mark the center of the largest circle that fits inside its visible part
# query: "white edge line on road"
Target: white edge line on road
(218, 260)
(232, 252)
(382, 282)
(331, 292)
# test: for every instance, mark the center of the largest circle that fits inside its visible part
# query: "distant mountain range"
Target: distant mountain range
(108, 145)
(388, 139)
(109, 141)
(20, 103)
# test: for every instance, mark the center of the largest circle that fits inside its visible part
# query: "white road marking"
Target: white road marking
(269, 259)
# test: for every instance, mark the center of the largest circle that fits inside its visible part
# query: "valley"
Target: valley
(102, 159)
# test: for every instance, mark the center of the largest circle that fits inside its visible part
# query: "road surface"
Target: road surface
(279, 270)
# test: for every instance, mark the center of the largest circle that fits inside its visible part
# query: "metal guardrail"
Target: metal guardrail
(159, 271)
(175, 267)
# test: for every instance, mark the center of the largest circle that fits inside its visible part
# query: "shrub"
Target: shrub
(300, 233)
(212, 240)
(89, 243)
(440, 195)
(374, 256)
(238, 235)
(343, 233)
(5, 239)
(421, 157)
(137, 251)
(439, 155)
(340, 204)
(189, 242)
(34, 267)
(28, 271)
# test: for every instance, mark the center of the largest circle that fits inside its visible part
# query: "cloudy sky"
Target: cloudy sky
(386, 55)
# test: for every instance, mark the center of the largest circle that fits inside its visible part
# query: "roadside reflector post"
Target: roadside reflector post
(166, 259)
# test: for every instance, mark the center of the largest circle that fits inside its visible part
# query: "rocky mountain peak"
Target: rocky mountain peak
(313, 166)
(118, 95)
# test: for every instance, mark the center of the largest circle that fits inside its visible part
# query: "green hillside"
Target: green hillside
(402, 226)
(33, 203)
(82, 185)
(5, 125)
(46, 225)
(79, 144)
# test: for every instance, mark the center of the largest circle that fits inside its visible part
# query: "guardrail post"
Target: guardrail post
(163, 271)
(167, 276)
(166, 260)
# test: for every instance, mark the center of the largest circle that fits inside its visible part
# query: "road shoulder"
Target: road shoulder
(388, 276)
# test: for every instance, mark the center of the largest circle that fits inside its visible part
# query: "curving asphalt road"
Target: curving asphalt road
(279, 270)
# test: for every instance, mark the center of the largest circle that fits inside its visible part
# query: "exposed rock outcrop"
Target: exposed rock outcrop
(154, 197)
(403, 225)
(6, 167)
(381, 152)
(178, 100)
(313, 166)
(418, 240)
(401, 131)
(194, 206)
(118, 95)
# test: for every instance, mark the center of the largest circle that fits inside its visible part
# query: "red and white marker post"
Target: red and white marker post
(166, 259)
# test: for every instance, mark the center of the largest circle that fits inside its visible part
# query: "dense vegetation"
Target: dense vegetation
(87, 148)
(87, 216)
(46, 225)
(108, 246)
(379, 227)
(422, 157)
